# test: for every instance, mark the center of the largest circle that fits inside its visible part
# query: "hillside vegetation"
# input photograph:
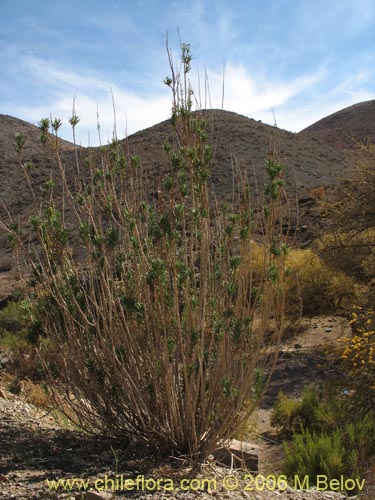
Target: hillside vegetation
(160, 273)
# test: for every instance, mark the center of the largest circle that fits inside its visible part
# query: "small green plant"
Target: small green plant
(344, 451)
(327, 437)
(314, 454)
(13, 317)
(13, 330)
(15, 386)
(19, 334)
(292, 415)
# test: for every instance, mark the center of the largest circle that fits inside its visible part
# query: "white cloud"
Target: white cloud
(248, 94)
(296, 104)
(133, 113)
(302, 114)
(93, 96)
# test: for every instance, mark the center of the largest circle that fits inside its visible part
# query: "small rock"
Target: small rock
(95, 495)
(3, 361)
(15, 475)
(239, 454)
(328, 330)
(80, 496)
(246, 495)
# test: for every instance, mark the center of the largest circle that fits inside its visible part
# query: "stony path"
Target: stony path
(34, 448)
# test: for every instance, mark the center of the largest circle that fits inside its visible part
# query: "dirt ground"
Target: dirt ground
(307, 357)
(35, 445)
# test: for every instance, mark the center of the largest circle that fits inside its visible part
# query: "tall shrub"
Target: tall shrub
(159, 329)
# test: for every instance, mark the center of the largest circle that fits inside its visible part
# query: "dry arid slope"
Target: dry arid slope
(315, 157)
(343, 129)
(245, 143)
(14, 193)
(237, 141)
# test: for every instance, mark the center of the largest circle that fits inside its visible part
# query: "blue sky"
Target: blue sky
(303, 59)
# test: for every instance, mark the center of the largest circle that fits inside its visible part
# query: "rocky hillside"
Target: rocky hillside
(313, 158)
(238, 142)
(343, 129)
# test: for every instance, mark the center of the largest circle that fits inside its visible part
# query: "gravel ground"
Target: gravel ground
(34, 448)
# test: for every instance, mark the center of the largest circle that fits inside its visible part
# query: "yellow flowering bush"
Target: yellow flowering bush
(311, 286)
(359, 354)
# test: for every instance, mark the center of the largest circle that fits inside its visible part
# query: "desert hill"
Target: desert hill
(343, 129)
(243, 142)
(13, 192)
(237, 140)
(313, 158)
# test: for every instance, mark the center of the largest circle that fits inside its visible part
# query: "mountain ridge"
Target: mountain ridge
(346, 127)
(311, 160)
